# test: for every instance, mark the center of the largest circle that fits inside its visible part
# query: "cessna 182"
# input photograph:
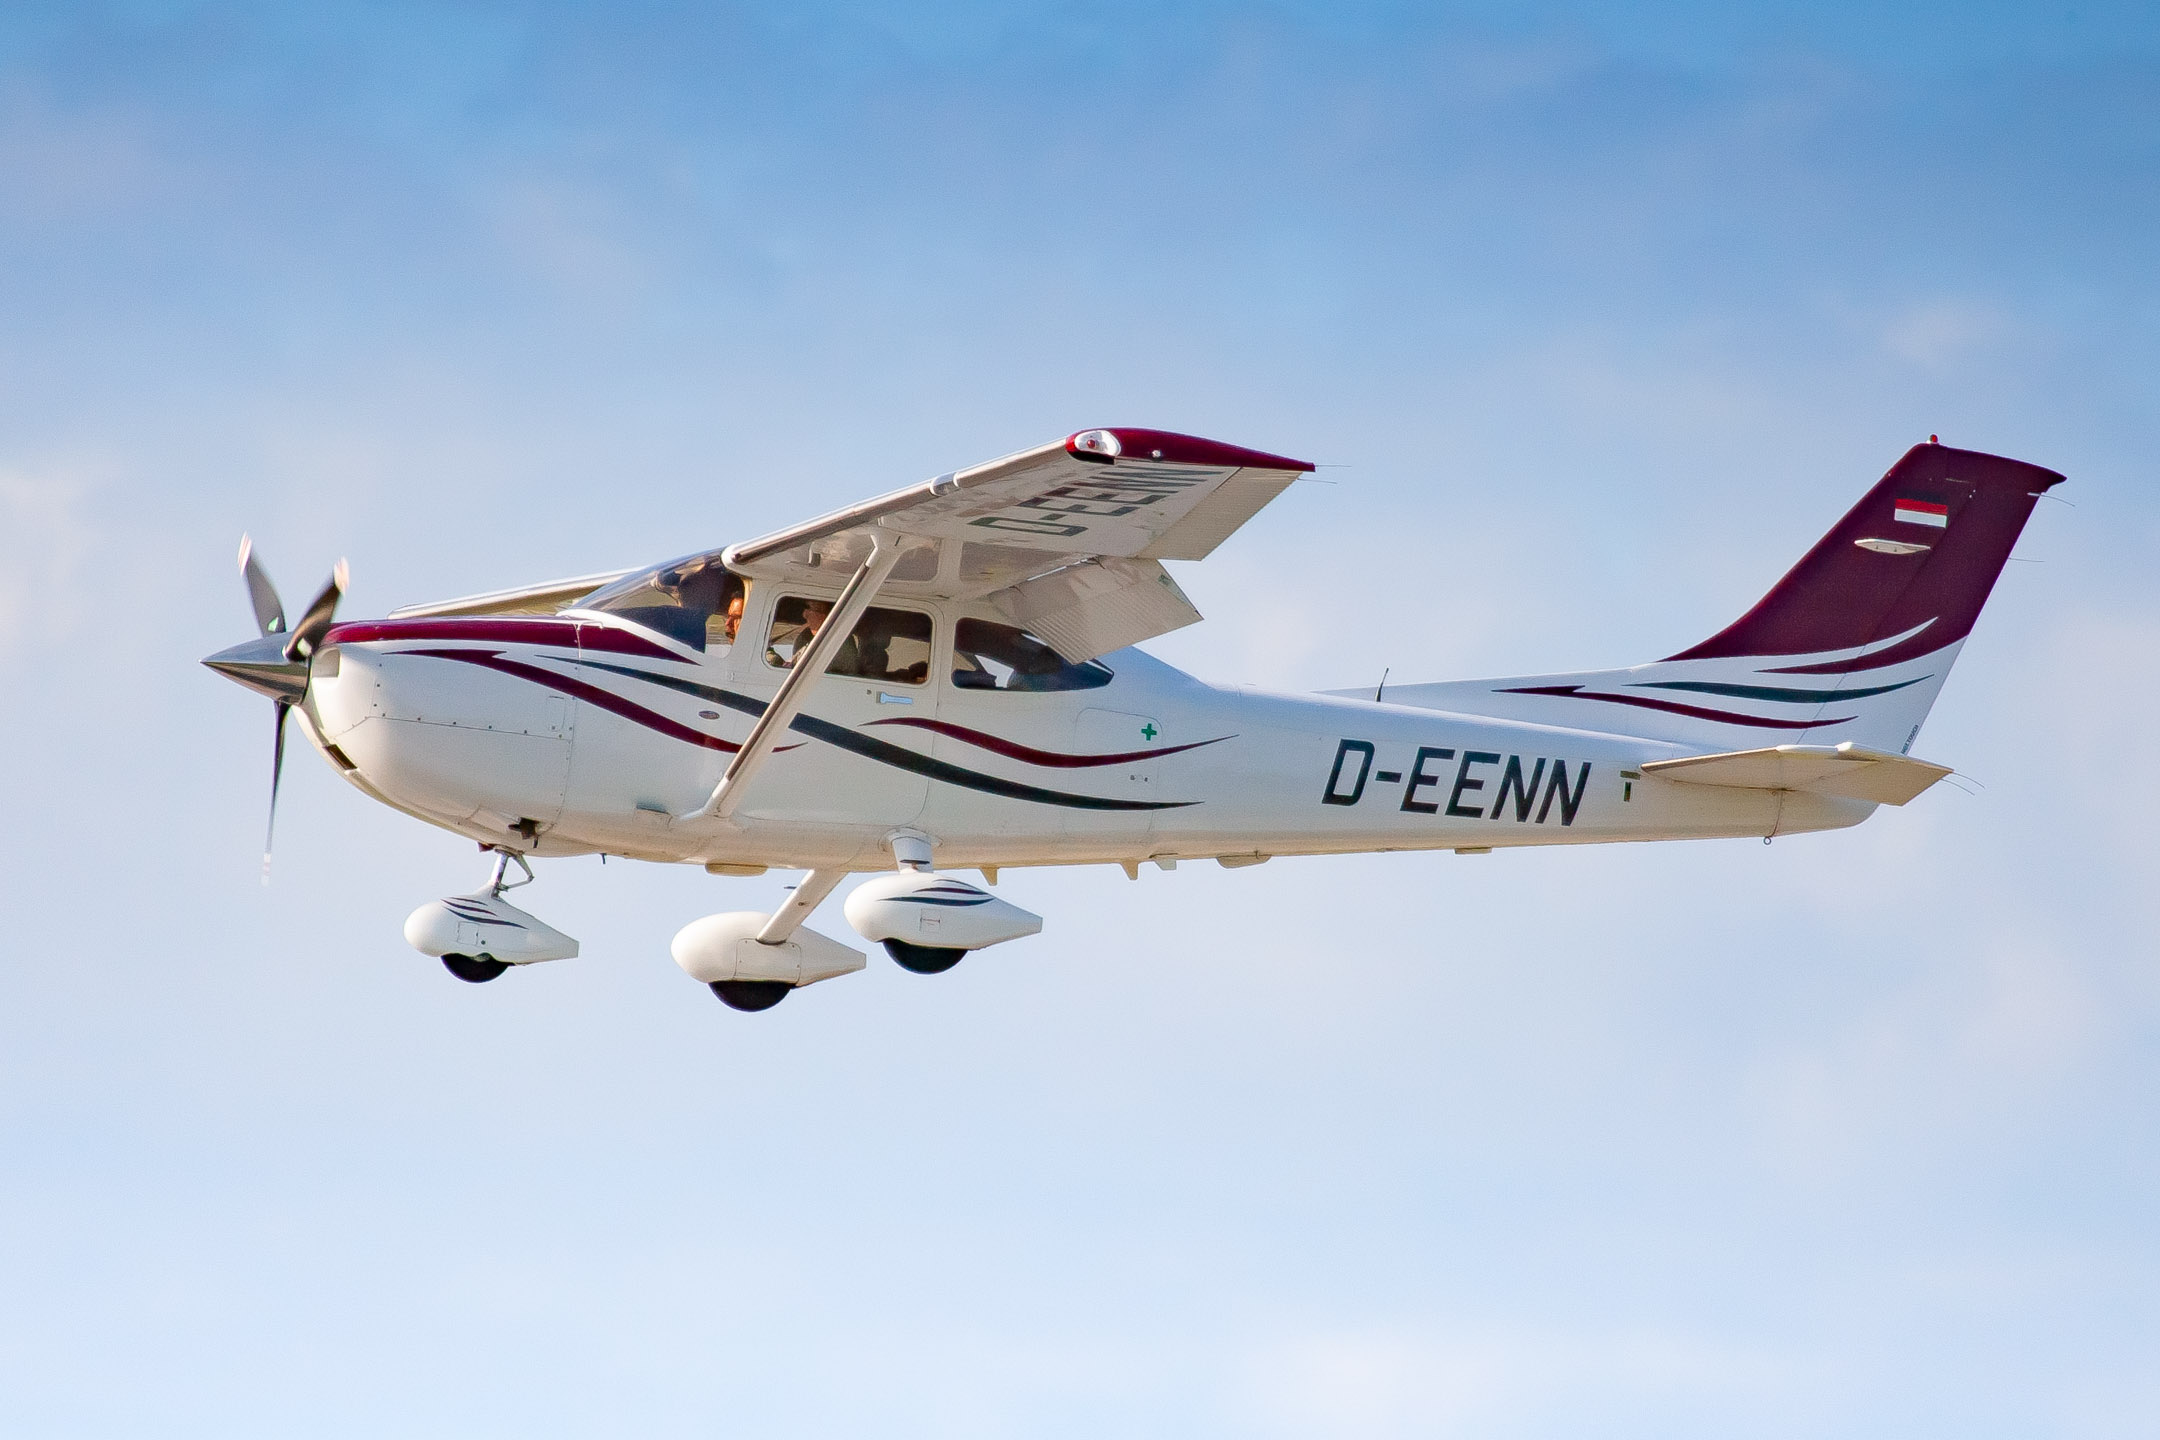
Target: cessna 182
(941, 679)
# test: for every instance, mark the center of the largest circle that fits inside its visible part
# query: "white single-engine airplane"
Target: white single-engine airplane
(941, 679)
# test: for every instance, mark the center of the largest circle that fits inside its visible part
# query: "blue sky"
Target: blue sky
(1596, 319)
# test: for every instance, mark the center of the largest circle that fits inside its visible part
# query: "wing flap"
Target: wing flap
(1847, 770)
(1097, 606)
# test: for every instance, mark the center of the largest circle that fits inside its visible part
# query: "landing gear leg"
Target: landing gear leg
(497, 881)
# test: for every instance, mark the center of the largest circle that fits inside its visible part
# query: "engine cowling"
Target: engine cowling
(725, 947)
(919, 907)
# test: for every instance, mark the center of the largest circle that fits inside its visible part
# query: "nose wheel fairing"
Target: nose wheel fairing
(477, 935)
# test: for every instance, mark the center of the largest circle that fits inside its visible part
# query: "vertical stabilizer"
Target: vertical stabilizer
(1852, 645)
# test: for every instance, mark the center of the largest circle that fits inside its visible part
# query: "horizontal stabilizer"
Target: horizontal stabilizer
(1847, 770)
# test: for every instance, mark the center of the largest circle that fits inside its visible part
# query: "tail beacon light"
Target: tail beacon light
(485, 927)
(917, 907)
(721, 949)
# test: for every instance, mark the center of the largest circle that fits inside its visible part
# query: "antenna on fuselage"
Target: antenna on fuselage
(1381, 688)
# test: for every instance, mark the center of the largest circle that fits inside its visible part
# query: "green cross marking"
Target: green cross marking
(1148, 731)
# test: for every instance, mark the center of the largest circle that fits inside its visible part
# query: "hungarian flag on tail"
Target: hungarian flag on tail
(1923, 512)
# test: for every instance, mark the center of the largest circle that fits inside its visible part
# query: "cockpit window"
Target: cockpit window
(696, 600)
(891, 646)
(990, 656)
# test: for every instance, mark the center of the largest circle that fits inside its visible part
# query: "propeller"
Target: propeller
(269, 610)
(276, 663)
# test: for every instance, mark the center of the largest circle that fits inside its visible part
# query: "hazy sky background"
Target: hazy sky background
(1597, 319)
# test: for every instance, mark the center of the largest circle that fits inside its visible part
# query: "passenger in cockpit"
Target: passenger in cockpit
(793, 632)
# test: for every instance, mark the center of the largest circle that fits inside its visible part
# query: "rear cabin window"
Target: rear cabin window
(697, 601)
(891, 647)
(990, 656)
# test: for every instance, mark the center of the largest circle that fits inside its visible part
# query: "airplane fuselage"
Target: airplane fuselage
(583, 733)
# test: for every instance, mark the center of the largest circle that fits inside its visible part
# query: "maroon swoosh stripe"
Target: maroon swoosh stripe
(1014, 750)
(1723, 717)
(590, 694)
(501, 632)
(1914, 649)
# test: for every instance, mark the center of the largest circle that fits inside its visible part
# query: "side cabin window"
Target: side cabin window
(697, 601)
(891, 647)
(990, 656)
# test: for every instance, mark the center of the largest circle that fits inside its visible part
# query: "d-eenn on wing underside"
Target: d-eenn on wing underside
(839, 736)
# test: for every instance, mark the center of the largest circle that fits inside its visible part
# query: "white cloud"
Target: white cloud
(1386, 1382)
(1979, 1039)
(1935, 334)
(43, 539)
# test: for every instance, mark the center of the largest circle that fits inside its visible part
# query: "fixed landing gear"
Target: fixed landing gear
(479, 936)
(923, 959)
(751, 960)
(751, 994)
(926, 921)
(474, 969)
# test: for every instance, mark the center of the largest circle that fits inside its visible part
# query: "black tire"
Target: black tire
(751, 994)
(923, 959)
(474, 969)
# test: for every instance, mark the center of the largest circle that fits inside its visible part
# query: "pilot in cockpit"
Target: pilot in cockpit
(687, 600)
(713, 595)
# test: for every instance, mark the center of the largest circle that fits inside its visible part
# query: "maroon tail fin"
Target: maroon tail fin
(1918, 554)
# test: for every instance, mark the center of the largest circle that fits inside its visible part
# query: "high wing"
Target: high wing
(545, 598)
(1066, 539)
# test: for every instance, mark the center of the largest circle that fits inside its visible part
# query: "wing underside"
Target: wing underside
(1066, 539)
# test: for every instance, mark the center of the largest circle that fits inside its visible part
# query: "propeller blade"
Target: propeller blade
(269, 610)
(315, 622)
(277, 772)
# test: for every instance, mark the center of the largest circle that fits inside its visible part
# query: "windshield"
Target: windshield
(696, 600)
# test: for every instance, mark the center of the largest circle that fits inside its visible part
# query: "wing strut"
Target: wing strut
(794, 692)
